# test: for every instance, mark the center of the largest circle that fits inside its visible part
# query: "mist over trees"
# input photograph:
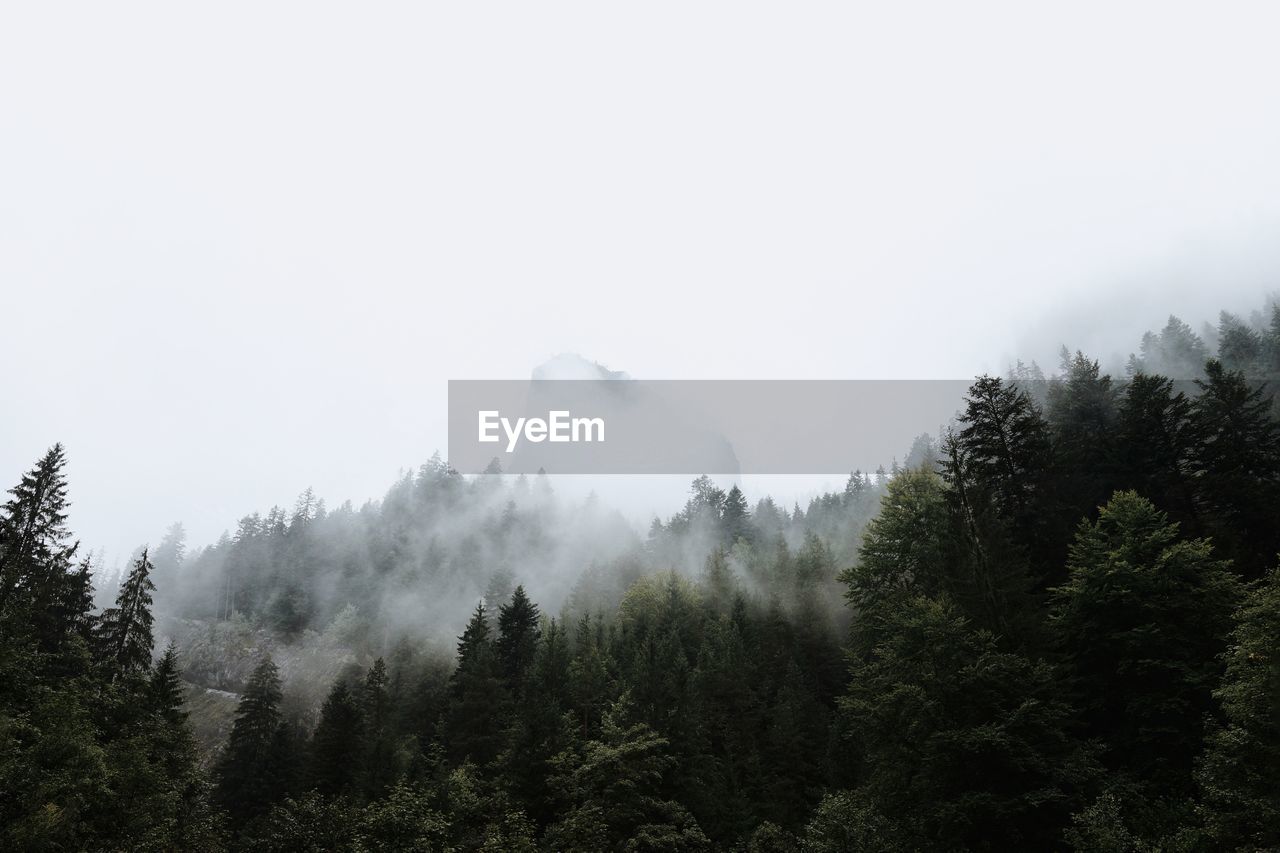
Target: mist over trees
(1057, 626)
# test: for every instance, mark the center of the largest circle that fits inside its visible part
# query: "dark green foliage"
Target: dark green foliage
(1142, 620)
(477, 716)
(610, 793)
(958, 743)
(254, 771)
(992, 684)
(1240, 772)
(1082, 413)
(517, 638)
(95, 752)
(1154, 446)
(41, 594)
(336, 746)
(124, 631)
(736, 518)
(1235, 465)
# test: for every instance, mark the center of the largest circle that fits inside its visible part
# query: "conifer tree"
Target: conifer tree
(379, 760)
(997, 466)
(252, 774)
(735, 518)
(957, 744)
(1154, 443)
(336, 749)
(1236, 467)
(1142, 620)
(1240, 773)
(476, 719)
(611, 793)
(125, 630)
(517, 638)
(166, 687)
(40, 593)
(1081, 413)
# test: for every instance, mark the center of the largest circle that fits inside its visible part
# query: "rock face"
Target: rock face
(211, 713)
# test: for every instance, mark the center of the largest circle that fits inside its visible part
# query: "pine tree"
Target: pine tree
(39, 589)
(735, 518)
(997, 467)
(1176, 352)
(166, 687)
(1240, 773)
(957, 744)
(253, 774)
(380, 761)
(336, 748)
(1236, 467)
(611, 793)
(1082, 413)
(539, 728)
(125, 630)
(190, 822)
(1154, 444)
(588, 679)
(1142, 620)
(476, 720)
(905, 552)
(718, 580)
(167, 557)
(517, 638)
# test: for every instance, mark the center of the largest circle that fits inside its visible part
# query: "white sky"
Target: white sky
(242, 247)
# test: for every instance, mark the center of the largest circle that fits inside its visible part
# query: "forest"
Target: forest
(1054, 627)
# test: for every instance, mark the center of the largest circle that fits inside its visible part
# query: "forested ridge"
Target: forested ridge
(1057, 626)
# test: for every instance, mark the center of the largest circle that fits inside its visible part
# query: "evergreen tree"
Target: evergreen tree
(166, 687)
(36, 554)
(253, 774)
(1082, 414)
(476, 720)
(539, 728)
(735, 518)
(611, 793)
(1240, 773)
(959, 745)
(380, 760)
(125, 630)
(1142, 620)
(1236, 467)
(517, 638)
(1153, 445)
(336, 748)
(997, 468)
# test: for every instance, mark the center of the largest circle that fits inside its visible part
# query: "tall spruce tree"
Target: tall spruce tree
(998, 467)
(1142, 621)
(336, 749)
(1154, 444)
(475, 723)
(41, 594)
(379, 761)
(1236, 467)
(125, 630)
(517, 638)
(958, 744)
(1082, 411)
(1240, 773)
(252, 774)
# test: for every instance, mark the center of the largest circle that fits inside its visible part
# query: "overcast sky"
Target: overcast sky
(243, 246)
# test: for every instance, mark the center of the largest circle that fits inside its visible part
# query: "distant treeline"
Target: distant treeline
(1055, 627)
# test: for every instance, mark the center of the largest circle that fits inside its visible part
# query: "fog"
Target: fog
(243, 249)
